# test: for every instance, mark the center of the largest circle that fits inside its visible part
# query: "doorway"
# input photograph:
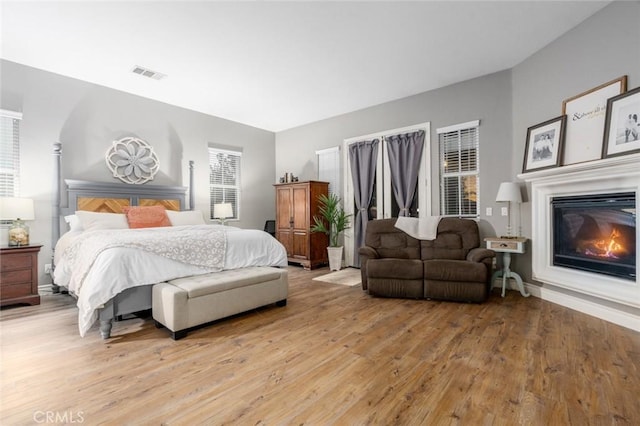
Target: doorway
(383, 203)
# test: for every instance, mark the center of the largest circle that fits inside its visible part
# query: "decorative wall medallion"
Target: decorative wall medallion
(132, 160)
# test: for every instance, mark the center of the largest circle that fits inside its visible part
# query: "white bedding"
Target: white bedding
(116, 269)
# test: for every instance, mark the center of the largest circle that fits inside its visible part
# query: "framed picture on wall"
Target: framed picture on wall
(544, 145)
(622, 125)
(585, 121)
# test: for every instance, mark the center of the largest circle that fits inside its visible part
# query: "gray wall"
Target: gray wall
(604, 47)
(85, 118)
(486, 98)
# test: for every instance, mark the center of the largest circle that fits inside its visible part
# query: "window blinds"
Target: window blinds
(224, 179)
(9, 153)
(459, 171)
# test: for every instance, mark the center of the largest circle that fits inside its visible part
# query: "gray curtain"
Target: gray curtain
(362, 158)
(404, 160)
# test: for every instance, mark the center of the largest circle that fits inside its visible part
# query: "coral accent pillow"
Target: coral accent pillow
(146, 216)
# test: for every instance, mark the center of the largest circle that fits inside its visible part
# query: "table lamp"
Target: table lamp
(222, 211)
(509, 192)
(17, 210)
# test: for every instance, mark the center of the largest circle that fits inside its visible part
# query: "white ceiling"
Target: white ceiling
(278, 65)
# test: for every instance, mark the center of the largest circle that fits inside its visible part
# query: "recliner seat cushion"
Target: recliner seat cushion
(398, 269)
(454, 270)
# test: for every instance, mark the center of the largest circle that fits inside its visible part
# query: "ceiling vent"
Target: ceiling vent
(148, 73)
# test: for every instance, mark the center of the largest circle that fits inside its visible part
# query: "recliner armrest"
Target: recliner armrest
(366, 253)
(480, 254)
(369, 252)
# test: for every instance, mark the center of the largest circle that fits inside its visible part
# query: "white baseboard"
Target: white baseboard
(607, 313)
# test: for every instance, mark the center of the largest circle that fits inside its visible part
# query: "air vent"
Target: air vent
(148, 73)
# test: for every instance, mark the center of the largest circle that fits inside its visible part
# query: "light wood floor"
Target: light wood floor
(333, 355)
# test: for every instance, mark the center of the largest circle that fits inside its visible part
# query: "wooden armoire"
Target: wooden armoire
(296, 204)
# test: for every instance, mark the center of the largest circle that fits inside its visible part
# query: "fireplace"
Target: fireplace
(581, 215)
(596, 233)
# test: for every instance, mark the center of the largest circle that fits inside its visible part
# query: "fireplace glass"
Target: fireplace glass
(596, 233)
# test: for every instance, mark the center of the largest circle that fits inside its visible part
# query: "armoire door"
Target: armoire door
(284, 218)
(300, 235)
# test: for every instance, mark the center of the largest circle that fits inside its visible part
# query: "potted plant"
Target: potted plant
(331, 221)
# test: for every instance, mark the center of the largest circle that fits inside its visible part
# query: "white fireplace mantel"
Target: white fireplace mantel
(610, 175)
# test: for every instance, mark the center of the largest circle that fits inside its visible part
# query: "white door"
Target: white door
(383, 203)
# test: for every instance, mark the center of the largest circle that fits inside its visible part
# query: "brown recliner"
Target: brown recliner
(451, 267)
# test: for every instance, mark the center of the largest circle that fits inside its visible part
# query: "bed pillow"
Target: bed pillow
(91, 221)
(74, 222)
(146, 216)
(188, 217)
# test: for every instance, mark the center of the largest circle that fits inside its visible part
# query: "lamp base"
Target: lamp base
(18, 234)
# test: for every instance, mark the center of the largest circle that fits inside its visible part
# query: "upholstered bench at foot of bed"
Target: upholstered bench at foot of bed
(188, 302)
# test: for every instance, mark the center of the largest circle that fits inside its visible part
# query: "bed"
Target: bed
(111, 270)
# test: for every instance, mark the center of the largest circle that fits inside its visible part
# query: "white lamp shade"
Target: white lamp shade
(509, 191)
(16, 208)
(222, 210)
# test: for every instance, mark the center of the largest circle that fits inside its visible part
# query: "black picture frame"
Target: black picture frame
(545, 144)
(622, 125)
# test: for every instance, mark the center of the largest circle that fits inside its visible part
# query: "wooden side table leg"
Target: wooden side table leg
(506, 272)
(504, 283)
(520, 284)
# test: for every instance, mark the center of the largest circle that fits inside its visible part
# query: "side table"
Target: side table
(19, 275)
(506, 246)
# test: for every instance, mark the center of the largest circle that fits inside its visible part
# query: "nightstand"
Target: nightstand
(506, 246)
(19, 275)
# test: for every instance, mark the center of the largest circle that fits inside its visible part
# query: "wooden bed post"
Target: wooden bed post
(55, 205)
(192, 196)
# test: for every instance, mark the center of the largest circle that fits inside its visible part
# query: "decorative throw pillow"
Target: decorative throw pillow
(187, 217)
(91, 221)
(146, 216)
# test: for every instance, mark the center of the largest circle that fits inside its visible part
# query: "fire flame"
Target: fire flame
(606, 247)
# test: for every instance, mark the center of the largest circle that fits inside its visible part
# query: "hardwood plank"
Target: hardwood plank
(333, 355)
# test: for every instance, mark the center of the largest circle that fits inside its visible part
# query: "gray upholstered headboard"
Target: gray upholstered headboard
(111, 197)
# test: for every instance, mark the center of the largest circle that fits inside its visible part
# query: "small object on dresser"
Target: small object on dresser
(18, 210)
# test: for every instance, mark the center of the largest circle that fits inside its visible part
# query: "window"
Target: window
(459, 170)
(224, 179)
(329, 168)
(9, 153)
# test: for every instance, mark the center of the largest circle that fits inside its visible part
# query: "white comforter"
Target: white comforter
(118, 268)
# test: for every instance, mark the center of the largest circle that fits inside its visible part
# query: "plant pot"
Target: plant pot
(335, 258)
